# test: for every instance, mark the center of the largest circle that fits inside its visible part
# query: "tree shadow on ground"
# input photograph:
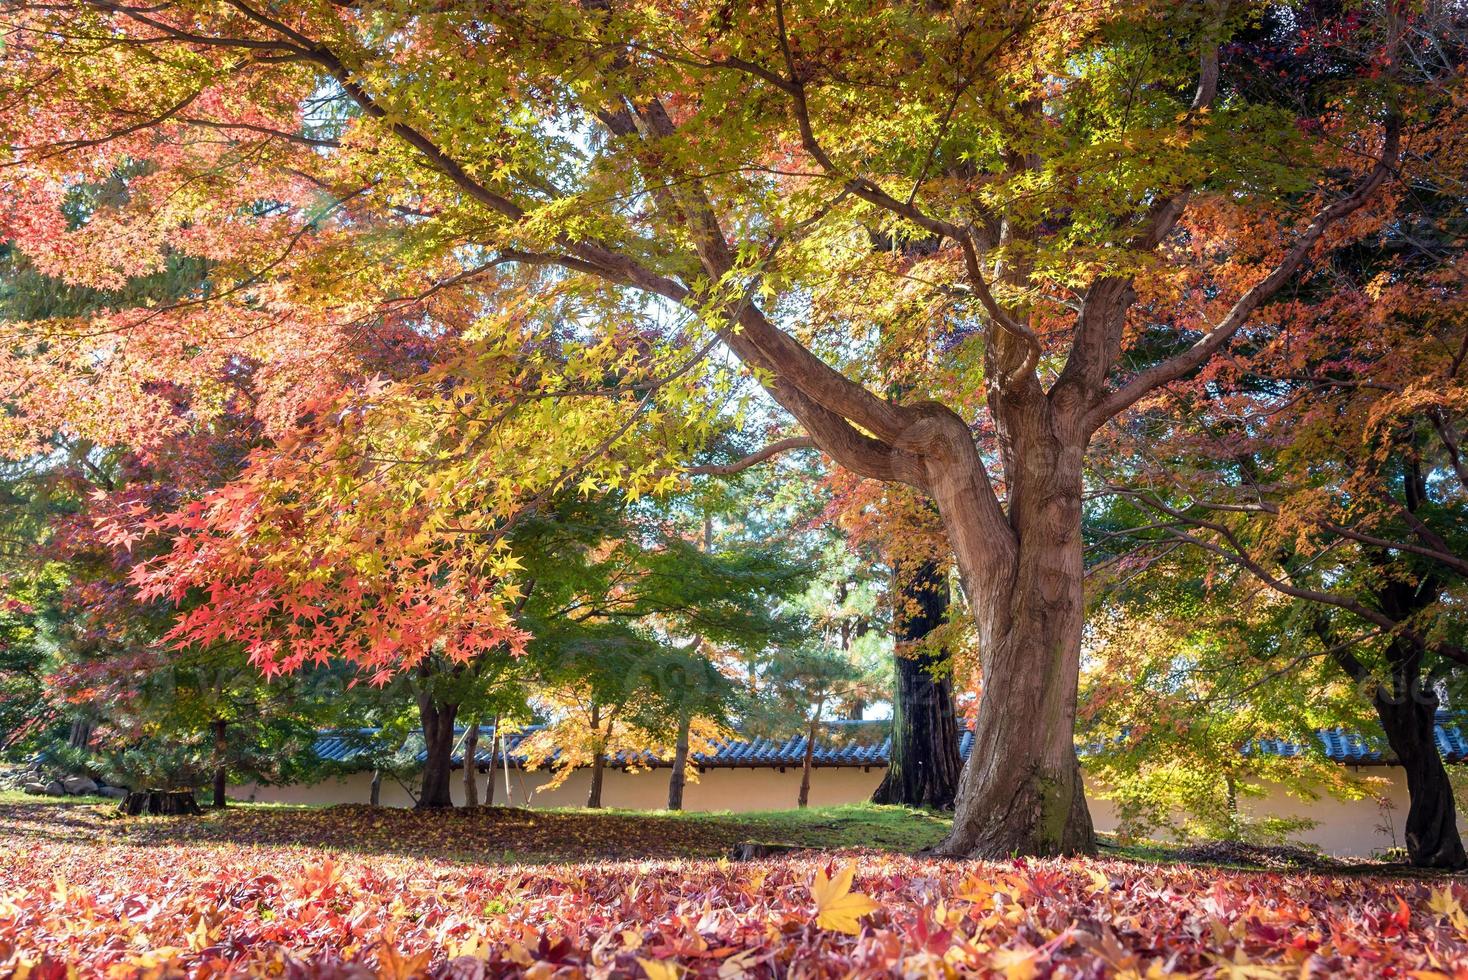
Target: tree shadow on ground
(482, 835)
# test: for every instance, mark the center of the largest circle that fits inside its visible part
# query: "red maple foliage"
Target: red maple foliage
(213, 909)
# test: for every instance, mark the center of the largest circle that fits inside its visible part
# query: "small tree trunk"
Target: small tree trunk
(810, 752)
(923, 764)
(505, 762)
(375, 798)
(494, 734)
(471, 765)
(438, 738)
(1409, 717)
(221, 769)
(598, 761)
(680, 765)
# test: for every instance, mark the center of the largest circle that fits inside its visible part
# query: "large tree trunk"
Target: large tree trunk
(1408, 716)
(221, 769)
(1021, 790)
(156, 803)
(923, 764)
(471, 765)
(80, 736)
(680, 765)
(438, 738)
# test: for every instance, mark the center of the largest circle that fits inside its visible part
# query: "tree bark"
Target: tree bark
(808, 758)
(680, 765)
(1407, 711)
(471, 765)
(1432, 821)
(375, 796)
(494, 735)
(221, 769)
(159, 804)
(598, 763)
(438, 739)
(80, 736)
(1021, 791)
(923, 764)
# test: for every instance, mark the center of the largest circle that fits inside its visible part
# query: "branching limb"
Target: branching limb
(753, 459)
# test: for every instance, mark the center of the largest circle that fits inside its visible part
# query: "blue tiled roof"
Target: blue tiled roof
(863, 744)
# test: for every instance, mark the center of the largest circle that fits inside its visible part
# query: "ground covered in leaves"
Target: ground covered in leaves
(359, 892)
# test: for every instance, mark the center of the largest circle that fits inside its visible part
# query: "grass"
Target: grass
(9, 796)
(887, 828)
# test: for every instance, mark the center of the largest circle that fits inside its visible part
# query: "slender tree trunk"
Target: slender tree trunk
(375, 795)
(808, 758)
(494, 734)
(438, 738)
(598, 762)
(924, 765)
(1408, 716)
(471, 765)
(680, 765)
(505, 763)
(1021, 791)
(221, 767)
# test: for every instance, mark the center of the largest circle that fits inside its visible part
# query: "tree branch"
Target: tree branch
(754, 458)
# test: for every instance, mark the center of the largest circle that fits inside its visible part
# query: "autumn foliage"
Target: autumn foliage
(141, 904)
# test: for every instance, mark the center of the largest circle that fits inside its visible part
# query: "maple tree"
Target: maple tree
(628, 190)
(1196, 699)
(1321, 467)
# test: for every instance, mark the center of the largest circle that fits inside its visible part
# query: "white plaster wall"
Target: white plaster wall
(1344, 827)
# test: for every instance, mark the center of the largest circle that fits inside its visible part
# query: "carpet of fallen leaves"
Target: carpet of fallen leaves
(161, 897)
(485, 834)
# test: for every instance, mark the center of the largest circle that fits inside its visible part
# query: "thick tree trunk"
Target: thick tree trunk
(159, 804)
(808, 758)
(923, 765)
(375, 796)
(438, 739)
(471, 765)
(1408, 717)
(80, 736)
(1021, 790)
(680, 765)
(221, 769)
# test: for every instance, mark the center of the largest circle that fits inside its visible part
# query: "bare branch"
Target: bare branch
(753, 459)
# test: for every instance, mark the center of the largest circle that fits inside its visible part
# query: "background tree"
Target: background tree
(1191, 689)
(801, 682)
(1322, 462)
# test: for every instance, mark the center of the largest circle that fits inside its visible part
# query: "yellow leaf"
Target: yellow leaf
(1015, 964)
(738, 965)
(837, 906)
(660, 969)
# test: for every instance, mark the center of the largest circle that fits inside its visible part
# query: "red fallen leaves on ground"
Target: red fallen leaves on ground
(207, 909)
